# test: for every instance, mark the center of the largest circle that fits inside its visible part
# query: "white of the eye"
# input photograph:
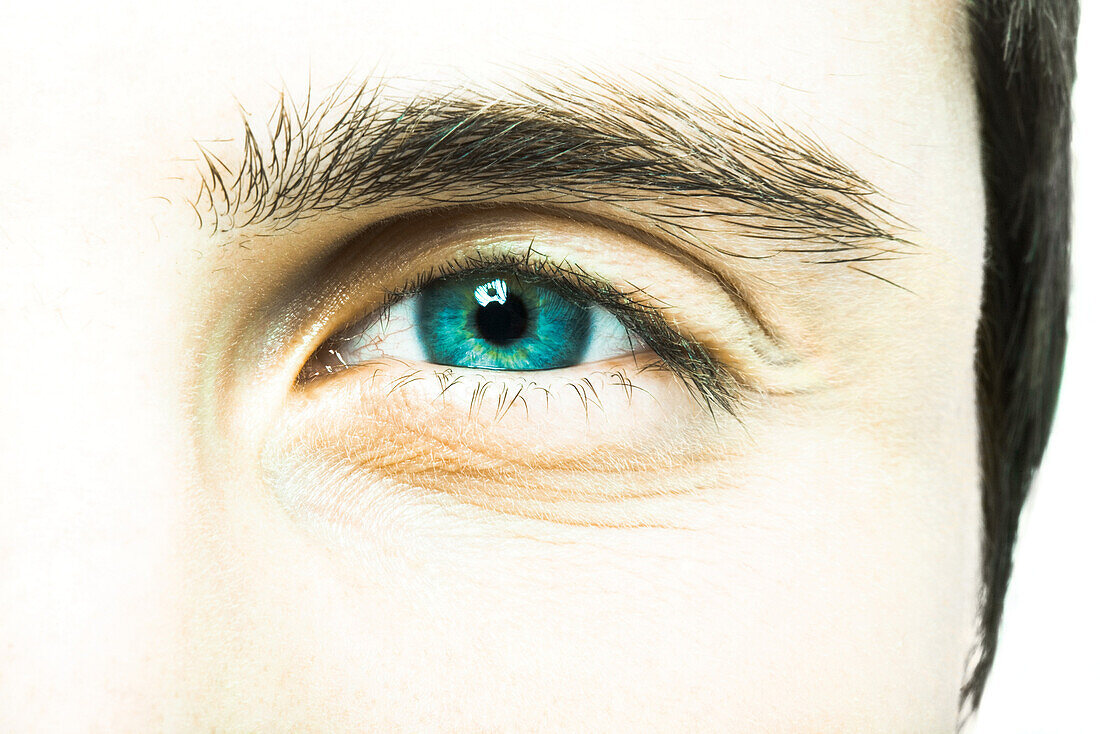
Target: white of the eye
(393, 334)
(609, 338)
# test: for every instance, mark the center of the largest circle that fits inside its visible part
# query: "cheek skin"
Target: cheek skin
(799, 583)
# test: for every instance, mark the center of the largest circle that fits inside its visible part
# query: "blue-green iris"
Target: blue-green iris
(499, 322)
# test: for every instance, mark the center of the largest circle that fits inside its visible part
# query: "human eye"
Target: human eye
(487, 319)
(515, 363)
(519, 315)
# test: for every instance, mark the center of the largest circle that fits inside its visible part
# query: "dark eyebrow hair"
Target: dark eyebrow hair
(572, 139)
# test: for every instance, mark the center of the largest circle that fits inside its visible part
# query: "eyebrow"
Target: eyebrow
(693, 159)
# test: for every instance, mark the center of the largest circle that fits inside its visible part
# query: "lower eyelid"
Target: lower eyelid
(382, 431)
(607, 397)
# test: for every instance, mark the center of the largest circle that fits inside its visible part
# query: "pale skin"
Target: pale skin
(192, 539)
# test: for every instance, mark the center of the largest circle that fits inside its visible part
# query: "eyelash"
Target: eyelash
(711, 382)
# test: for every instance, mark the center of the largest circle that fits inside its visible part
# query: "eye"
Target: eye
(518, 301)
(491, 320)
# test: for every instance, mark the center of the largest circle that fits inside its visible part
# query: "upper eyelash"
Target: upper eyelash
(713, 383)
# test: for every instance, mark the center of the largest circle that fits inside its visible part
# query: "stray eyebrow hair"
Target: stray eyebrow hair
(573, 139)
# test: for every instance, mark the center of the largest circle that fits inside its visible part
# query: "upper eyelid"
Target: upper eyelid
(657, 242)
(721, 329)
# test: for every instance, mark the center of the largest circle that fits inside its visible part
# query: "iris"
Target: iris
(501, 322)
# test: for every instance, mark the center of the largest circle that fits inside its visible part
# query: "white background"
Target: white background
(1046, 675)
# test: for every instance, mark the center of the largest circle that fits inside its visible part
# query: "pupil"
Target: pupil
(500, 323)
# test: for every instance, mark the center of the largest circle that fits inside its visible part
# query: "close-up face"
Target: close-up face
(490, 367)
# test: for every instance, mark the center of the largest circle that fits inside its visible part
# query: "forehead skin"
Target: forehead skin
(149, 582)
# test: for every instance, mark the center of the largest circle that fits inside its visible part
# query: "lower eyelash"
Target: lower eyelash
(501, 396)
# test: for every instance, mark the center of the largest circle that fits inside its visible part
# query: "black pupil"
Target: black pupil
(500, 323)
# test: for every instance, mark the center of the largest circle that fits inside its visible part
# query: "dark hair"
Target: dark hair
(1023, 56)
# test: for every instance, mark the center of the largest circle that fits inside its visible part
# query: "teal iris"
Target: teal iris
(500, 322)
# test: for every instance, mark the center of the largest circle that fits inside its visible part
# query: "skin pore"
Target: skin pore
(194, 537)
